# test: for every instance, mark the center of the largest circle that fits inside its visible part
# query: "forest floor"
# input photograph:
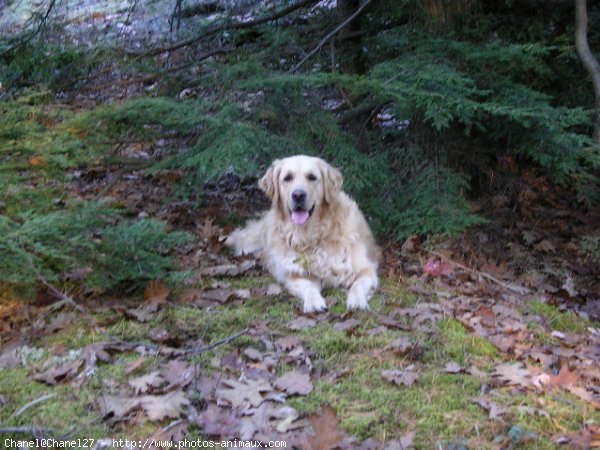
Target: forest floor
(487, 340)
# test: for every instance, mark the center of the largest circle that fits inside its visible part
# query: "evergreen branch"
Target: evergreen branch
(30, 37)
(235, 26)
(335, 31)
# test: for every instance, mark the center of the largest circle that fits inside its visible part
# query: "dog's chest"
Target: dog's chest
(333, 268)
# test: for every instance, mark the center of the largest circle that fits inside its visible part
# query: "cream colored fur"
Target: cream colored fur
(334, 247)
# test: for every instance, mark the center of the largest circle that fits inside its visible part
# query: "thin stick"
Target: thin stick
(514, 288)
(226, 340)
(26, 430)
(235, 26)
(41, 399)
(331, 34)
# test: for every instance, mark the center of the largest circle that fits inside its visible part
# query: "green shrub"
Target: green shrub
(85, 238)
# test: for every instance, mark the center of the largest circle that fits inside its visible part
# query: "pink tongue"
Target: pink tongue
(299, 217)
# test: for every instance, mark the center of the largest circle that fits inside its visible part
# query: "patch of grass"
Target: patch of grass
(437, 406)
(454, 343)
(396, 295)
(555, 319)
(69, 407)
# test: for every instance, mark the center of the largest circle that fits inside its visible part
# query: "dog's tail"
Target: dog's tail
(249, 239)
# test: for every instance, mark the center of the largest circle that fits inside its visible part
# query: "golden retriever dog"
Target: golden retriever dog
(313, 235)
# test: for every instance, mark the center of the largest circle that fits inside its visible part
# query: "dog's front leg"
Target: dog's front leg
(359, 293)
(309, 291)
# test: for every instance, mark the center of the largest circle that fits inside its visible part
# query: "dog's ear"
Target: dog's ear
(332, 182)
(269, 183)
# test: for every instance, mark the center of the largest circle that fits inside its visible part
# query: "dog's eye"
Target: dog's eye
(311, 177)
(288, 177)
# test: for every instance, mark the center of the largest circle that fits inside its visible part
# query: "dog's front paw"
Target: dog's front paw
(314, 303)
(356, 301)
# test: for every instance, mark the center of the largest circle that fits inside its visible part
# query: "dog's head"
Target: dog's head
(300, 185)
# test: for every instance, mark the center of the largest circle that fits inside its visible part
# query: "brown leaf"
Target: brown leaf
(400, 346)
(294, 383)
(286, 343)
(564, 378)
(502, 342)
(545, 246)
(155, 295)
(145, 383)
(301, 323)
(327, 433)
(220, 295)
(134, 365)
(405, 442)
(172, 433)
(411, 244)
(514, 374)
(230, 270)
(163, 337)
(242, 393)
(159, 407)
(452, 367)
(399, 377)
(494, 411)
(117, 407)
(219, 422)
(177, 373)
(206, 230)
(36, 161)
(55, 374)
(346, 326)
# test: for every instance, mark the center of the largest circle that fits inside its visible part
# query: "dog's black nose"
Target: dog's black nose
(299, 196)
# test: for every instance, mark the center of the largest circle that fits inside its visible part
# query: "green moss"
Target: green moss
(69, 407)
(454, 343)
(438, 405)
(555, 319)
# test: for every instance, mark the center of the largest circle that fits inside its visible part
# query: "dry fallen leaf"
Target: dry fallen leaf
(565, 378)
(155, 295)
(514, 374)
(346, 326)
(327, 433)
(145, 383)
(157, 407)
(301, 323)
(452, 367)
(55, 374)
(494, 411)
(400, 346)
(36, 161)
(294, 383)
(230, 270)
(242, 393)
(399, 377)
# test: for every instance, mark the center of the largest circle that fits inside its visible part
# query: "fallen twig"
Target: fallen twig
(34, 431)
(41, 399)
(335, 31)
(511, 287)
(226, 340)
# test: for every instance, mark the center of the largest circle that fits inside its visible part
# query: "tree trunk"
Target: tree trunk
(587, 58)
(351, 48)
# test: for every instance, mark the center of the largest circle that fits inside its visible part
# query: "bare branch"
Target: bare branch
(234, 26)
(335, 31)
